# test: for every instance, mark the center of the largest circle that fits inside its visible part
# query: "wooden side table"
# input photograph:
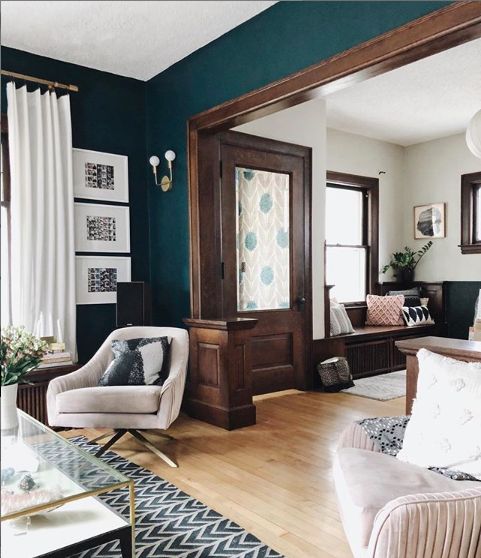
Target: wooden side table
(469, 351)
(219, 383)
(32, 398)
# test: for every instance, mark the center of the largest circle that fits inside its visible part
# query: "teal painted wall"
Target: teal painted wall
(460, 301)
(285, 38)
(108, 114)
(122, 115)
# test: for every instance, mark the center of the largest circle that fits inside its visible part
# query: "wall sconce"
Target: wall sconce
(166, 182)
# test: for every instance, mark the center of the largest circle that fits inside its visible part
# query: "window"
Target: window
(5, 227)
(471, 213)
(351, 236)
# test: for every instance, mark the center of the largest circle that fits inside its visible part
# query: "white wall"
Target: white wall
(305, 125)
(354, 154)
(424, 173)
(432, 173)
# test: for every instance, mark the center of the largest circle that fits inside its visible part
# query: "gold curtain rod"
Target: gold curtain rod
(50, 84)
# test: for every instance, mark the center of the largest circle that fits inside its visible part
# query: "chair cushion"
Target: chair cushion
(110, 399)
(366, 481)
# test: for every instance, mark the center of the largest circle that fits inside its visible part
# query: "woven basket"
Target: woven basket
(335, 374)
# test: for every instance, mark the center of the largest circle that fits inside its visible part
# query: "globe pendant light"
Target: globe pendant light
(473, 135)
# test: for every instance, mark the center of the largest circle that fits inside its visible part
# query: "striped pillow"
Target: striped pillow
(340, 322)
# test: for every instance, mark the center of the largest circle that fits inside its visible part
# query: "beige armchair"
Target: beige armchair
(393, 509)
(77, 401)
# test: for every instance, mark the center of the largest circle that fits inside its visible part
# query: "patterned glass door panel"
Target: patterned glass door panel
(263, 240)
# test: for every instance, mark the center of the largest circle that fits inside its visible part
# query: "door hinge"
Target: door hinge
(222, 268)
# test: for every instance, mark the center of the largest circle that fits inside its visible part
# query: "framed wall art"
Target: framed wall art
(97, 278)
(430, 221)
(100, 176)
(102, 228)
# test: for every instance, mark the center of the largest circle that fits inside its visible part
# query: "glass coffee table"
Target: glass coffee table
(50, 503)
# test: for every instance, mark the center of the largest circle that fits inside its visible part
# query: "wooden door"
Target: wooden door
(265, 251)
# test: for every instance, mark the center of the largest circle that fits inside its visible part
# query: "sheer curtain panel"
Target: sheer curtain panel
(42, 219)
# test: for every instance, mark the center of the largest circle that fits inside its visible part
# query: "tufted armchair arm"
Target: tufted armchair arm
(86, 376)
(354, 436)
(173, 387)
(444, 524)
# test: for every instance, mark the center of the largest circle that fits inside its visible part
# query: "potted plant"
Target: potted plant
(20, 352)
(404, 263)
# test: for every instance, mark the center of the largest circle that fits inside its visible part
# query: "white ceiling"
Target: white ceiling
(428, 99)
(136, 39)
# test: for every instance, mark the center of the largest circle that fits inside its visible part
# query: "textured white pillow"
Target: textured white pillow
(445, 426)
(340, 322)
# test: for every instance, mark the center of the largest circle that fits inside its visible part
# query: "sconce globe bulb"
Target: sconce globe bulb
(154, 161)
(169, 155)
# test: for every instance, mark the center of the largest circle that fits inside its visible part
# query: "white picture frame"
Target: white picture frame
(100, 176)
(430, 221)
(101, 228)
(97, 278)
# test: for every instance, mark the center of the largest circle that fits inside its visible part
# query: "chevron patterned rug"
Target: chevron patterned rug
(170, 523)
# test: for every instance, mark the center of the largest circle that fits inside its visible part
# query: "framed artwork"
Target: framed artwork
(100, 176)
(97, 278)
(430, 221)
(102, 228)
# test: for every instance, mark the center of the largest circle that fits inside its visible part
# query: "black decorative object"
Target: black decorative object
(27, 483)
(335, 374)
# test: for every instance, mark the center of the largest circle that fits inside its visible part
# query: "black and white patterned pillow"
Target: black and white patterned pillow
(411, 296)
(138, 362)
(417, 315)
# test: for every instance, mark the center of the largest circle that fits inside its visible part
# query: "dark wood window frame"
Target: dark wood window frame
(470, 188)
(370, 189)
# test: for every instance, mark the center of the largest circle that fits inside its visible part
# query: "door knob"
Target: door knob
(300, 300)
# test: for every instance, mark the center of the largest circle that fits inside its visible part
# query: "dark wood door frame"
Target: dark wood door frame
(440, 30)
(303, 289)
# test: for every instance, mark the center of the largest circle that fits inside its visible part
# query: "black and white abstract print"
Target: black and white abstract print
(101, 228)
(99, 176)
(102, 279)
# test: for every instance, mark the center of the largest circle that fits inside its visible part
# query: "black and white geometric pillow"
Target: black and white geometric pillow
(138, 362)
(417, 315)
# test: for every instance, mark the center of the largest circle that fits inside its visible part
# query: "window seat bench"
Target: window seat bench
(371, 350)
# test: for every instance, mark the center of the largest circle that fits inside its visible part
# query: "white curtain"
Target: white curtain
(42, 218)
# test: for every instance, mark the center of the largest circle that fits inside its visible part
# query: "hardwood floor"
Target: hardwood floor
(274, 478)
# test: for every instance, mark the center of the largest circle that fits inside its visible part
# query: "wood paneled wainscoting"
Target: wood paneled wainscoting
(219, 383)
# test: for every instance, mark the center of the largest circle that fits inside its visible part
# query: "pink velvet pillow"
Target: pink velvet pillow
(384, 310)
